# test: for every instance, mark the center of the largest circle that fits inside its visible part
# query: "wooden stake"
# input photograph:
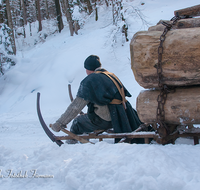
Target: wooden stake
(78, 138)
(196, 140)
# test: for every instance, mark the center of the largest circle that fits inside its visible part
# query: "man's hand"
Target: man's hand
(56, 126)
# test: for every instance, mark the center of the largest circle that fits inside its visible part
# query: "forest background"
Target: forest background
(17, 18)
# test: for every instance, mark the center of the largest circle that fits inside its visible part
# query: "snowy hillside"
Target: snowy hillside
(28, 158)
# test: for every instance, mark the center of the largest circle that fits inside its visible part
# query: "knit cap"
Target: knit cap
(92, 62)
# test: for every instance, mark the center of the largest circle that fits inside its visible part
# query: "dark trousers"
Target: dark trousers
(82, 124)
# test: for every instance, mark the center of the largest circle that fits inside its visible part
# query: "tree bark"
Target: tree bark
(39, 15)
(76, 27)
(113, 12)
(181, 107)
(180, 60)
(69, 18)
(10, 24)
(24, 12)
(47, 9)
(96, 11)
(59, 15)
(89, 6)
(107, 2)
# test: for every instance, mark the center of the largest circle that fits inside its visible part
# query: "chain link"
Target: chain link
(164, 90)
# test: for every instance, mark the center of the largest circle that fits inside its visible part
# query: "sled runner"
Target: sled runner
(44, 126)
(50, 134)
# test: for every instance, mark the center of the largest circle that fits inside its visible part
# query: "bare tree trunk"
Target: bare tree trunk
(24, 12)
(23, 16)
(59, 15)
(47, 9)
(89, 6)
(96, 11)
(69, 18)
(30, 29)
(107, 2)
(113, 12)
(76, 27)
(1, 14)
(10, 24)
(39, 15)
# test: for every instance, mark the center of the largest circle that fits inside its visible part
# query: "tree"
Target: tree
(1, 13)
(89, 6)
(59, 15)
(31, 11)
(107, 2)
(10, 24)
(24, 11)
(47, 9)
(96, 11)
(7, 41)
(39, 15)
(5, 49)
(69, 17)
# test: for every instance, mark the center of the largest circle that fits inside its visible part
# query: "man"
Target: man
(104, 95)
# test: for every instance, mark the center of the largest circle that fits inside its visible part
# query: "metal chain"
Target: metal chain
(164, 90)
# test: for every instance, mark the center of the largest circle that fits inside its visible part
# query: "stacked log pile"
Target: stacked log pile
(180, 69)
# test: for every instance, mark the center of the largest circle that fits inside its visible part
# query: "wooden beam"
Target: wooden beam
(189, 135)
(146, 140)
(73, 136)
(196, 140)
(113, 135)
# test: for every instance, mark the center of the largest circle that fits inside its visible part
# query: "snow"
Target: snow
(28, 158)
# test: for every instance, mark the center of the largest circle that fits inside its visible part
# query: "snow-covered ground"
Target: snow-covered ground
(28, 158)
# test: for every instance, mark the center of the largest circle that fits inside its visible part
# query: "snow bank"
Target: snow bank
(102, 166)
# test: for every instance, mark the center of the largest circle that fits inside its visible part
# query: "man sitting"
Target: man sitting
(104, 94)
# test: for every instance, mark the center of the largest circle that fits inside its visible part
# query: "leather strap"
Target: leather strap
(121, 90)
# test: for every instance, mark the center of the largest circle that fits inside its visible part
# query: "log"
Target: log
(180, 61)
(183, 23)
(190, 11)
(181, 107)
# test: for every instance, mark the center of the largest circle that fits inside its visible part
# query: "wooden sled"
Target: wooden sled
(101, 134)
(94, 135)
